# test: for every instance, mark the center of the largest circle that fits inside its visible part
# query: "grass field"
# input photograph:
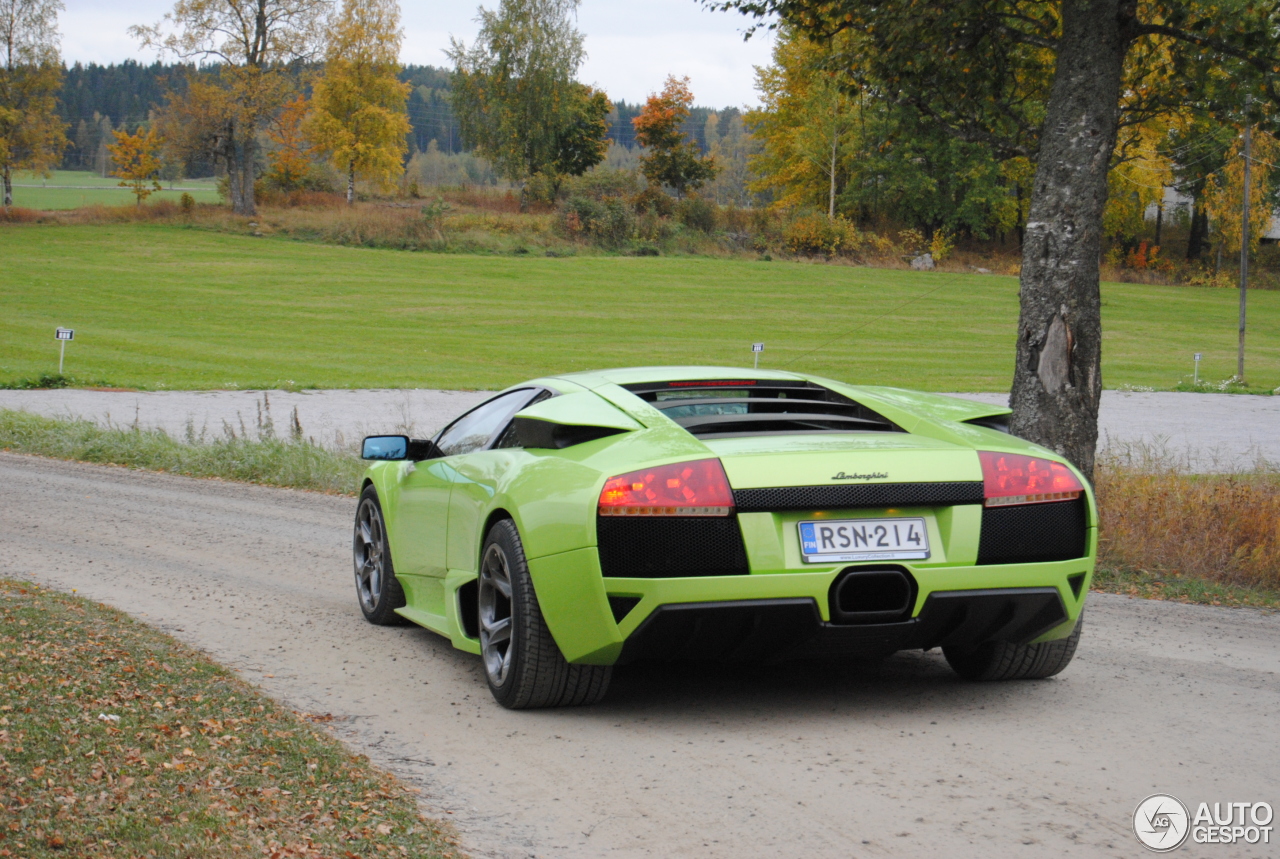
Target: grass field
(71, 189)
(162, 306)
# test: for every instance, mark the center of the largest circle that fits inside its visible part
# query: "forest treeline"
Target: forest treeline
(95, 100)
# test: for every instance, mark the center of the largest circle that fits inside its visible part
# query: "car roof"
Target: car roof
(640, 375)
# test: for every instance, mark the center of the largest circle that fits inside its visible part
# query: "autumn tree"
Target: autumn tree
(515, 95)
(290, 156)
(670, 157)
(807, 114)
(1051, 80)
(252, 41)
(1224, 192)
(137, 161)
(358, 107)
(32, 136)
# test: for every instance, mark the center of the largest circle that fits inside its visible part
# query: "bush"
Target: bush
(697, 214)
(602, 184)
(1155, 516)
(18, 215)
(187, 203)
(606, 222)
(653, 201)
(818, 234)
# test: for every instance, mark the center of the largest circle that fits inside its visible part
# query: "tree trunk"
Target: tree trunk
(1159, 217)
(831, 195)
(351, 183)
(241, 169)
(1199, 229)
(1058, 378)
(8, 187)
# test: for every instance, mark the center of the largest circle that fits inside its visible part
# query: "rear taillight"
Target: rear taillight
(683, 489)
(1011, 478)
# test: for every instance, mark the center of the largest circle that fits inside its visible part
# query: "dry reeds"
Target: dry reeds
(1158, 517)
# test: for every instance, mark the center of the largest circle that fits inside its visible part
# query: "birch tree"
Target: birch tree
(32, 136)
(358, 107)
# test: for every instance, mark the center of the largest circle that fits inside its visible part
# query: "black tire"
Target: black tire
(522, 662)
(1000, 660)
(377, 589)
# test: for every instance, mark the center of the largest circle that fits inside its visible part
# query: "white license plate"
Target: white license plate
(839, 540)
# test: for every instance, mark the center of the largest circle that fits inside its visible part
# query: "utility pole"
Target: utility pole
(1244, 251)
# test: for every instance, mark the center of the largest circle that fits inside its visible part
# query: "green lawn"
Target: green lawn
(71, 189)
(163, 306)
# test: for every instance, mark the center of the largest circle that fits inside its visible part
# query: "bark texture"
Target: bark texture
(1058, 378)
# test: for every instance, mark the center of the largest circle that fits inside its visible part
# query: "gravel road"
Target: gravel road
(1215, 432)
(819, 760)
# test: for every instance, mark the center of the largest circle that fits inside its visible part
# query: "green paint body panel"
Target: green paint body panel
(438, 511)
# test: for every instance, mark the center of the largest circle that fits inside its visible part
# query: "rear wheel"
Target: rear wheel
(1000, 660)
(377, 588)
(522, 662)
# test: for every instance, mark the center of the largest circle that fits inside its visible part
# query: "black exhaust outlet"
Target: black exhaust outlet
(867, 596)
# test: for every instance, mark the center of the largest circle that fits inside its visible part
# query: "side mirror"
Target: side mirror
(398, 447)
(385, 447)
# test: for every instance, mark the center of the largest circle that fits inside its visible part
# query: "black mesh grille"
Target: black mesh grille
(861, 495)
(656, 547)
(1032, 533)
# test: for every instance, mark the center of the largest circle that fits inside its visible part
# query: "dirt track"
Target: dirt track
(815, 760)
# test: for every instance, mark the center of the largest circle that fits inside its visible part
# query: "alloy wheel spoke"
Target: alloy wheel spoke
(497, 630)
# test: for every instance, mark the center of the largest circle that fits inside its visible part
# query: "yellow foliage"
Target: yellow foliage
(1224, 198)
(804, 125)
(818, 234)
(1137, 181)
(31, 133)
(358, 106)
(136, 160)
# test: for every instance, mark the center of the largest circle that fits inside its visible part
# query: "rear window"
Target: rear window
(721, 408)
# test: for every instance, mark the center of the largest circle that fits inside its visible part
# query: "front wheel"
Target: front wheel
(522, 662)
(377, 588)
(1000, 660)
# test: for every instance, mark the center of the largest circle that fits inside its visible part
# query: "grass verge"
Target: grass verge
(266, 460)
(1167, 533)
(117, 741)
(1184, 589)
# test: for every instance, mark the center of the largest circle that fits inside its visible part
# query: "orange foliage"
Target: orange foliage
(137, 161)
(658, 124)
(292, 156)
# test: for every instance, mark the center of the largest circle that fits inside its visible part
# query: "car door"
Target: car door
(422, 544)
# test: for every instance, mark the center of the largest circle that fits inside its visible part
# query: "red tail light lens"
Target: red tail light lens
(1011, 478)
(684, 489)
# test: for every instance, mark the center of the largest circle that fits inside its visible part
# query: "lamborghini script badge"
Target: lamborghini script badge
(875, 475)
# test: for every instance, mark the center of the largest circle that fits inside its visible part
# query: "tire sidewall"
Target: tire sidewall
(504, 535)
(384, 612)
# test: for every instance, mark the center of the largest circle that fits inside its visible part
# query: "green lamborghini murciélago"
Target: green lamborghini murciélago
(576, 522)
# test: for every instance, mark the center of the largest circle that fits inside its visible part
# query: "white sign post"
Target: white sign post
(1199, 355)
(756, 349)
(62, 335)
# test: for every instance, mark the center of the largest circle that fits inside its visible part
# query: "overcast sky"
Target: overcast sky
(632, 45)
